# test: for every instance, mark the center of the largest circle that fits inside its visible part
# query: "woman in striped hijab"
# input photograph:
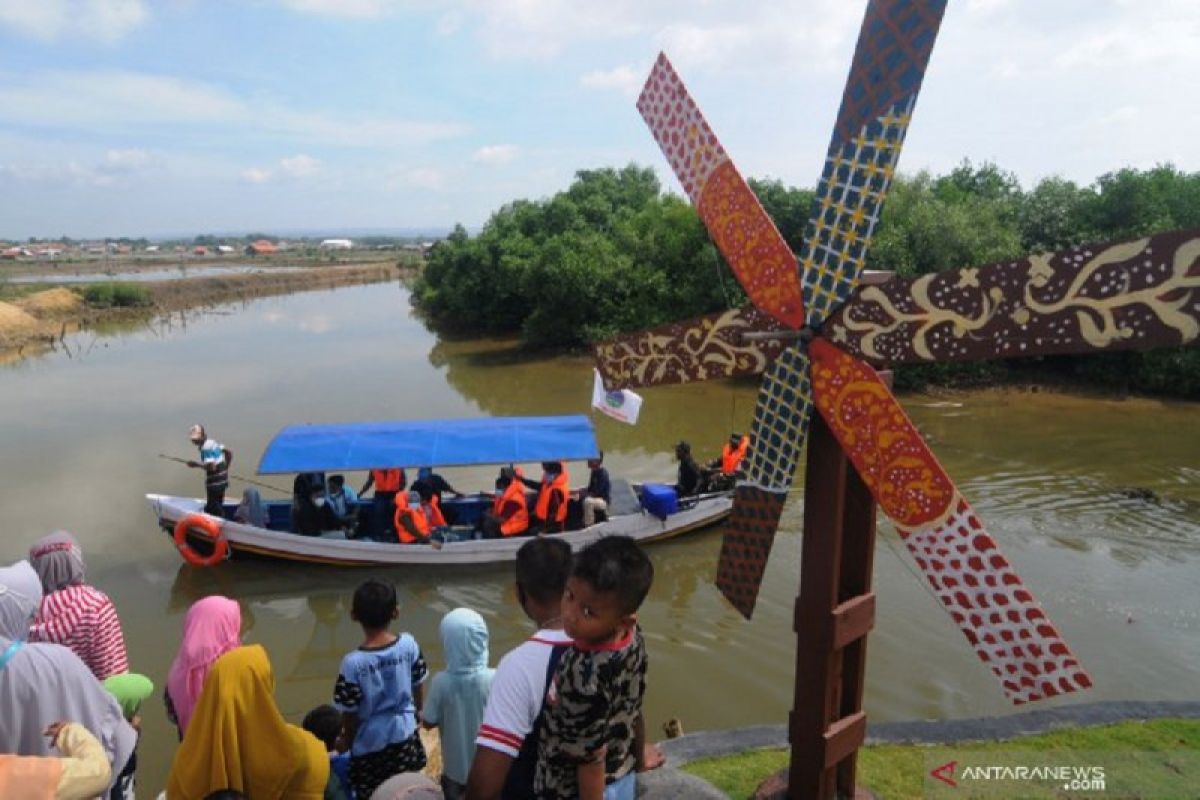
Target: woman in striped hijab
(72, 613)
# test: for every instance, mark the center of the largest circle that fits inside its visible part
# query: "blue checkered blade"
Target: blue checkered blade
(776, 440)
(780, 422)
(893, 49)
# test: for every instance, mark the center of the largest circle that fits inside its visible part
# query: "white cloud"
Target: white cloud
(362, 9)
(295, 167)
(299, 166)
(257, 175)
(495, 154)
(450, 23)
(427, 178)
(624, 79)
(130, 160)
(125, 101)
(48, 20)
(116, 168)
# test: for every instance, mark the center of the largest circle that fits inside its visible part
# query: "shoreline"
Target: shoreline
(35, 323)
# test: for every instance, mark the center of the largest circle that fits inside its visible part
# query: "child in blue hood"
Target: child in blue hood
(458, 695)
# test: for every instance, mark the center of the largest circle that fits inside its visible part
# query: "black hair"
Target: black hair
(374, 603)
(599, 457)
(543, 566)
(340, 480)
(616, 564)
(684, 446)
(225, 794)
(424, 491)
(325, 723)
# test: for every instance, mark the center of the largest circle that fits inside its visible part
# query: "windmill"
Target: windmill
(812, 336)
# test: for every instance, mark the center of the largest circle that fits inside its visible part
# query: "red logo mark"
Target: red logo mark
(945, 773)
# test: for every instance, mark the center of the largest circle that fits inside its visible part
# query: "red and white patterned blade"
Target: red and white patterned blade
(741, 229)
(712, 346)
(1006, 626)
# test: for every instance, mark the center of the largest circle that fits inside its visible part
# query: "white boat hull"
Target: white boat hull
(249, 539)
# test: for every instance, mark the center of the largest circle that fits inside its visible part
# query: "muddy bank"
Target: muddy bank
(32, 324)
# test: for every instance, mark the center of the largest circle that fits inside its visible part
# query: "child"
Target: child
(378, 692)
(325, 723)
(457, 696)
(593, 738)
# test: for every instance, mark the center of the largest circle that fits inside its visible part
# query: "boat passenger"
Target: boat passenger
(212, 627)
(251, 511)
(238, 740)
(388, 484)
(509, 515)
(343, 502)
(311, 515)
(73, 613)
(435, 483)
(598, 492)
(215, 460)
(550, 508)
(722, 472)
(43, 683)
(412, 523)
(689, 479)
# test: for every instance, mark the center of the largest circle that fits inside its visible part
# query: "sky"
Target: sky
(172, 117)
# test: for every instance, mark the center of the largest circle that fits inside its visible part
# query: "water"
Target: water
(80, 436)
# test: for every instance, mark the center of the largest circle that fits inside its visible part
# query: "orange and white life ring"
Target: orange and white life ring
(211, 528)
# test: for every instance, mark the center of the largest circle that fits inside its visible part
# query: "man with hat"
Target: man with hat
(215, 459)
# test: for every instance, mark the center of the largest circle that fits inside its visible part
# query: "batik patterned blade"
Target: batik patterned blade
(712, 346)
(889, 63)
(776, 440)
(972, 579)
(745, 235)
(1092, 298)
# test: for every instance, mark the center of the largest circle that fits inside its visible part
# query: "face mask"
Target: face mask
(318, 501)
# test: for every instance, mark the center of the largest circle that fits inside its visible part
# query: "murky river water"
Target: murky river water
(80, 435)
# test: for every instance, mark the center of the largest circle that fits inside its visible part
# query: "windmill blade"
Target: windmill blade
(712, 346)
(1093, 298)
(741, 229)
(776, 441)
(889, 63)
(1005, 625)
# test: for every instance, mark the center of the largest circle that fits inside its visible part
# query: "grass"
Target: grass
(897, 772)
(10, 291)
(115, 294)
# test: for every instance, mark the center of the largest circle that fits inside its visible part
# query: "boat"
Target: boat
(436, 443)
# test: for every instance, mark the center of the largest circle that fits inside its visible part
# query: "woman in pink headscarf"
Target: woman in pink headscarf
(213, 627)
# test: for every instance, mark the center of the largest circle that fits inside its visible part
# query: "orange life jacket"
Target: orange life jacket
(433, 512)
(388, 480)
(731, 458)
(519, 521)
(561, 485)
(417, 517)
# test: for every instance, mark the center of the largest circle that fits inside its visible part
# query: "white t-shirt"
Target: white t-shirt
(517, 693)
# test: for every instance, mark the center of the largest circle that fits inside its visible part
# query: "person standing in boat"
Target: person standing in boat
(215, 459)
(429, 482)
(388, 483)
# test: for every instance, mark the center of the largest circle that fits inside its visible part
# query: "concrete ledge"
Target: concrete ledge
(709, 744)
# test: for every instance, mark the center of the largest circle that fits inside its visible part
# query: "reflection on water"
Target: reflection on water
(1050, 475)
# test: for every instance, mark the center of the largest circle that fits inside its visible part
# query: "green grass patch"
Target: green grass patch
(897, 772)
(114, 294)
(10, 291)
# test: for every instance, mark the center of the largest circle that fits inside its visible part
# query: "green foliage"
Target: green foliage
(612, 253)
(114, 294)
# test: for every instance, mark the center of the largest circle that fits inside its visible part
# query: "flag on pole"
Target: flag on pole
(622, 405)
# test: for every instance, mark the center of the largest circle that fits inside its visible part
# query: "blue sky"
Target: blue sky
(132, 117)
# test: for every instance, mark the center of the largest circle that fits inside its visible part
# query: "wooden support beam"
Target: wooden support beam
(844, 737)
(853, 619)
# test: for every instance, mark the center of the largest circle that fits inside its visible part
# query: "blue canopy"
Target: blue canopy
(429, 443)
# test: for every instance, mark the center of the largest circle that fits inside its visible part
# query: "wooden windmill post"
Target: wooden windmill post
(817, 336)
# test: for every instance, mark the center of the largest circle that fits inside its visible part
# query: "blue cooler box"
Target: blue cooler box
(659, 500)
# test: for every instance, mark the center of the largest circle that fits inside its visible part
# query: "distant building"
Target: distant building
(261, 248)
(10, 253)
(336, 244)
(153, 248)
(224, 249)
(200, 251)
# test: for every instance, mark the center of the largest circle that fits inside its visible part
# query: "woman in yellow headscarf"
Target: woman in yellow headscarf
(237, 739)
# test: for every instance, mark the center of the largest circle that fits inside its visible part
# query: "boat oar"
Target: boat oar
(235, 477)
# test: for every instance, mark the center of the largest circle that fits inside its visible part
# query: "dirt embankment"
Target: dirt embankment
(33, 323)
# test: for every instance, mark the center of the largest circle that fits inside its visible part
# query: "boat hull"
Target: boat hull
(251, 540)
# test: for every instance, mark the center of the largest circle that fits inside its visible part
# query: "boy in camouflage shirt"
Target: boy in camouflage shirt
(592, 741)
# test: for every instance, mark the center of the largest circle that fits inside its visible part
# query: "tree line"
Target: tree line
(613, 253)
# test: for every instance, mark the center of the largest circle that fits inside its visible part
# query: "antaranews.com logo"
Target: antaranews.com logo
(1061, 774)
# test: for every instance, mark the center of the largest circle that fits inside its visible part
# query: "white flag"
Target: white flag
(622, 405)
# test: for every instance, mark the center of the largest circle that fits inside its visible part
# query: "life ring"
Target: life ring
(212, 529)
